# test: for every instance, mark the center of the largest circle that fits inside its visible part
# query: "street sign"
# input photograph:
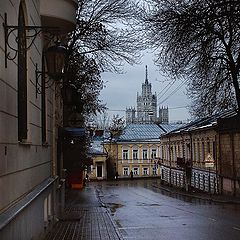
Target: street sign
(209, 161)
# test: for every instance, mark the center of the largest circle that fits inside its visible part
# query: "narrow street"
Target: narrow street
(143, 211)
(139, 209)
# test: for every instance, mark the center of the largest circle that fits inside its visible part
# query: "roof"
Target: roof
(74, 132)
(94, 151)
(204, 123)
(141, 132)
(169, 127)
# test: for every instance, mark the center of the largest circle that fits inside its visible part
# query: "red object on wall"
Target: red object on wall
(75, 179)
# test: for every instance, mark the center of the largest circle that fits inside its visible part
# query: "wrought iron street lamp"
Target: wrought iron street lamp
(55, 60)
(54, 57)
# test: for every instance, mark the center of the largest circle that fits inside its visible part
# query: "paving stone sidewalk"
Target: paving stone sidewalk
(85, 218)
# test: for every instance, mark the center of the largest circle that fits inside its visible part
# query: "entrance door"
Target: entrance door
(99, 170)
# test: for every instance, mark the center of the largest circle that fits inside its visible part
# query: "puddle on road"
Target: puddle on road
(118, 223)
(114, 206)
(148, 204)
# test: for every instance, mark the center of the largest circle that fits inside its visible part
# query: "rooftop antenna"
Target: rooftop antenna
(146, 80)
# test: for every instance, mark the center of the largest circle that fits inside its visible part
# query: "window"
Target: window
(183, 150)
(125, 154)
(22, 77)
(145, 155)
(194, 152)
(175, 154)
(135, 154)
(198, 151)
(208, 147)
(203, 151)
(145, 171)
(136, 171)
(154, 153)
(125, 171)
(162, 153)
(154, 170)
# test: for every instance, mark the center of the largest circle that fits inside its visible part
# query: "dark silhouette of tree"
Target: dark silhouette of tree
(199, 41)
(101, 41)
(116, 126)
(103, 33)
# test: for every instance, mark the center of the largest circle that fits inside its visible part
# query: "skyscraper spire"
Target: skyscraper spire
(146, 79)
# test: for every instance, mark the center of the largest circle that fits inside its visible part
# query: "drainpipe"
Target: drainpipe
(216, 164)
(233, 164)
(170, 163)
(191, 158)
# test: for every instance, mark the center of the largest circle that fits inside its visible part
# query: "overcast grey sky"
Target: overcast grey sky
(121, 90)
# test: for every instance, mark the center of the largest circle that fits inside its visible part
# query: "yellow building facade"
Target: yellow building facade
(140, 158)
(204, 155)
(99, 165)
(137, 150)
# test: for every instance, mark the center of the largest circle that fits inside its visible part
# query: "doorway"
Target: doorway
(99, 171)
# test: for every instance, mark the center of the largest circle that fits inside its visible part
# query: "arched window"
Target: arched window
(22, 77)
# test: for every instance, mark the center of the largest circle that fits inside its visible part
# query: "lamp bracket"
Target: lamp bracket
(31, 34)
(44, 84)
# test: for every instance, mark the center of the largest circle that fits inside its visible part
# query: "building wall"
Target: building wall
(230, 162)
(98, 161)
(140, 165)
(27, 167)
(163, 115)
(130, 115)
(194, 147)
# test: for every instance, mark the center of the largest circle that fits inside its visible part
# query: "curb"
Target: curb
(210, 199)
(120, 237)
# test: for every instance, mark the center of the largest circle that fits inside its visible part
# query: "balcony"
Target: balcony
(59, 13)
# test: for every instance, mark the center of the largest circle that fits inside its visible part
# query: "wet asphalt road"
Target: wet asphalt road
(142, 211)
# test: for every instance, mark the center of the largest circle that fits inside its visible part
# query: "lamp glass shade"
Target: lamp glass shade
(55, 60)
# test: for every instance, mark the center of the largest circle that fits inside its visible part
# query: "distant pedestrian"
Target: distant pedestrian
(116, 176)
(131, 175)
(87, 177)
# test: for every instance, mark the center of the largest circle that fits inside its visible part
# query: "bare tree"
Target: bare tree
(117, 125)
(103, 33)
(102, 40)
(199, 41)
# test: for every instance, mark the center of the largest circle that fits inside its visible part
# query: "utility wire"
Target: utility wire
(173, 92)
(121, 110)
(165, 89)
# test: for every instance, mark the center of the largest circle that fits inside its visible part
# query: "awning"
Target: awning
(74, 132)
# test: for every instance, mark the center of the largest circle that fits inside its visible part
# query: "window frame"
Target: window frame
(145, 168)
(136, 171)
(125, 170)
(22, 78)
(125, 155)
(144, 156)
(135, 154)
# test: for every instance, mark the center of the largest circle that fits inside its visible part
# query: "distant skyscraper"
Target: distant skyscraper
(130, 115)
(163, 115)
(146, 103)
(146, 107)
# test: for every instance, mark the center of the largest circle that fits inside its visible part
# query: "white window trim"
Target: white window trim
(125, 151)
(147, 171)
(124, 168)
